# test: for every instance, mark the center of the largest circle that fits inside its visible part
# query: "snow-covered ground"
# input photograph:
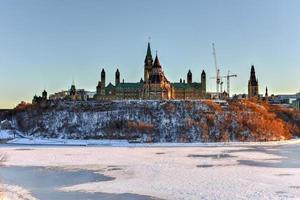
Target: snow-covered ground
(66, 142)
(124, 143)
(222, 172)
(6, 134)
(13, 192)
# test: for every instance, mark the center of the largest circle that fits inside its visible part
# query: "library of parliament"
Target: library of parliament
(154, 86)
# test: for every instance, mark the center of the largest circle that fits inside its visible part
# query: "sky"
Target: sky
(48, 44)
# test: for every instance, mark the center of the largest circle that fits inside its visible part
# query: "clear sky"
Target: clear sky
(46, 44)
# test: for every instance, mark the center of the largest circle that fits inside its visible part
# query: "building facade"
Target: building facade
(72, 94)
(296, 104)
(40, 99)
(253, 84)
(155, 85)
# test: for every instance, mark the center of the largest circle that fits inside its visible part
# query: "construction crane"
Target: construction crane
(228, 81)
(218, 78)
(221, 85)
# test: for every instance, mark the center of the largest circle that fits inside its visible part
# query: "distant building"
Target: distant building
(90, 94)
(76, 94)
(59, 95)
(252, 84)
(239, 96)
(154, 86)
(72, 94)
(284, 98)
(40, 99)
(296, 104)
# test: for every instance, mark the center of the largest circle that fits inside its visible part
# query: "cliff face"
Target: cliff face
(153, 121)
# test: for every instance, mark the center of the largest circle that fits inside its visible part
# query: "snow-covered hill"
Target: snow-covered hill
(152, 121)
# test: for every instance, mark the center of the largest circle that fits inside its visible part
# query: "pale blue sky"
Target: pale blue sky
(45, 44)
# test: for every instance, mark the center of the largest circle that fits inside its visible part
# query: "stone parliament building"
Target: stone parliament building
(155, 85)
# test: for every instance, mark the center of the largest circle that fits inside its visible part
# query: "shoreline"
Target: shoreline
(125, 143)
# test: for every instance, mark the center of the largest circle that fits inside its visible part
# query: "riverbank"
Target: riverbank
(125, 143)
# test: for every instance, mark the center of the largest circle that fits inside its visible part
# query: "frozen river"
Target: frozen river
(228, 172)
(42, 183)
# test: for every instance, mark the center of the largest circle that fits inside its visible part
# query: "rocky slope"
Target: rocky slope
(156, 121)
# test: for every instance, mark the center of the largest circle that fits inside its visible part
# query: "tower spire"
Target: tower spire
(156, 62)
(189, 77)
(148, 63)
(253, 84)
(148, 54)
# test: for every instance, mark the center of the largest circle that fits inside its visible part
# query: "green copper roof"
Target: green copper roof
(109, 88)
(196, 85)
(187, 86)
(130, 85)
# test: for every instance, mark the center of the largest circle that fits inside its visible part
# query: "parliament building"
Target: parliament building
(154, 86)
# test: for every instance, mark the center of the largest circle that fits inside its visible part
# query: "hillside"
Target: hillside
(157, 121)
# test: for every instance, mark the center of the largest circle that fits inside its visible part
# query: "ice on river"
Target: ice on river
(212, 172)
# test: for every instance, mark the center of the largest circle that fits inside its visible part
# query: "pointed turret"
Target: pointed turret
(253, 76)
(156, 63)
(189, 77)
(103, 82)
(203, 82)
(73, 91)
(44, 95)
(148, 64)
(117, 81)
(157, 74)
(148, 54)
(253, 84)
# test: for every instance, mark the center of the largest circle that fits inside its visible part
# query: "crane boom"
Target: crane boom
(218, 79)
(228, 81)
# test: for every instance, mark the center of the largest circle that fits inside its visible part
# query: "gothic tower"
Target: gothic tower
(44, 95)
(73, 92)
(189, 77)
(148, 64)
(102, 82)
(159, 86)
(252, 84)
(117, 77)
(203, 82)
(156, 75)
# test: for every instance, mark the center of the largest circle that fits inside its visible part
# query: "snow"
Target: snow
(125, 143)
(9, 192)
(6, 134)
(66, 142)
(175, 172)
